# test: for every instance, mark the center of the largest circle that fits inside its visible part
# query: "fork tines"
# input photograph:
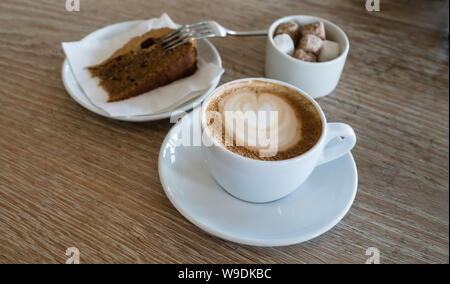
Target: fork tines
(183, 34)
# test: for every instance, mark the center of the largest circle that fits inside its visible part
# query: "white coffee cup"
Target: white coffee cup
(264, 181)
(316, 78)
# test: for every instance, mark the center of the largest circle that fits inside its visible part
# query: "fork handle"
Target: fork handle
(250, 33)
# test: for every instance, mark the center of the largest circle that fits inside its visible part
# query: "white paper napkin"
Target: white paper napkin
(84, 53)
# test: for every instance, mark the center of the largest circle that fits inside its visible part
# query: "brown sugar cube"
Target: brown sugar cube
(311, 43)
(292, 29)
(317, 29)
(305, 56)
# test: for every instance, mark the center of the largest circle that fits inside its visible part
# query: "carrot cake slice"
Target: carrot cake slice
(142, 65)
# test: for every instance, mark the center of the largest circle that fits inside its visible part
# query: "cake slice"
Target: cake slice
(142, 65)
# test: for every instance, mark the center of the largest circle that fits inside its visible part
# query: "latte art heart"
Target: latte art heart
(263, 120)
(260, 120)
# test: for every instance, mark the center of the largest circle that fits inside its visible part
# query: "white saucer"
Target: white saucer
(314, 208)
(205, 51)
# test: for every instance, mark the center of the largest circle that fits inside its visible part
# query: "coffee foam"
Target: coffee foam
(248, 108)
(297, 127)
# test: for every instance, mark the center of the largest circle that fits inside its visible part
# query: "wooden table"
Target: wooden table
(70, 178)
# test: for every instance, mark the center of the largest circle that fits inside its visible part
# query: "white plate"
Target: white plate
(314, 208)
(205, 51)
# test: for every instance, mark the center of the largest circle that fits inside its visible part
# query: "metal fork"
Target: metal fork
(201, 30)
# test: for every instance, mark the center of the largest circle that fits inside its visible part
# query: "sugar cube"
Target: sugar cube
(305, 56)
(330, 50)
(291, 28)
(311, 43)
(317, 29)
(285, 43)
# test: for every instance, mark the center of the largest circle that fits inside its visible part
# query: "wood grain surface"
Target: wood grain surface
(70, 178)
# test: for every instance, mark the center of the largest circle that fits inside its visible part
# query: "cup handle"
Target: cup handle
(347, 140)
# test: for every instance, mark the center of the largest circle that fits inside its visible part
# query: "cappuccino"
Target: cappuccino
(263, 120)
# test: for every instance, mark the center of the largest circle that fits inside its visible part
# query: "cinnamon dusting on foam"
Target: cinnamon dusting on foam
(299, 123)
